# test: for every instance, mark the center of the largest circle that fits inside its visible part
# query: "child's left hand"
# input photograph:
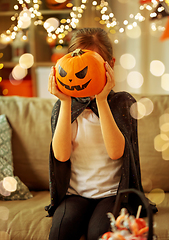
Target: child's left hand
(109, 85)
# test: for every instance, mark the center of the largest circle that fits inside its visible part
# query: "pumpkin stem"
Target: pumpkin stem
(77, 52)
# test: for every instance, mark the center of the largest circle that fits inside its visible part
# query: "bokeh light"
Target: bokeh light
(157, 68)
(147, 184)
(149, 106)
(26, 60)
(61, 1)
(164, 122)
(4, 213)
(3, 191)
(18, 72)
(5, 91)
(1, 65)
(4, 235)
(24, 19)
(25, 13)
(13, 81)
(157, 195)
(133, 32)
(127, 61)
(120, 73)
(137, 110)
(24, 24)
(161, 142)
(51, 24)
(135, 79)
(10, 184)
(165, 153)
(165, 82)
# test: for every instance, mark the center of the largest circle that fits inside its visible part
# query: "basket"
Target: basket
(147, 206)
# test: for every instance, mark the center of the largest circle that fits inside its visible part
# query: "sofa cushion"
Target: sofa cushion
(154, 168)
(26, 219)
(30, 122)
(16, 189)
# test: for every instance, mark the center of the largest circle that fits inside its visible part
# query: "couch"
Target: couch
(24, 217)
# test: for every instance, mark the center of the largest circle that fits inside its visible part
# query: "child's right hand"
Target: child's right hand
(53, 88)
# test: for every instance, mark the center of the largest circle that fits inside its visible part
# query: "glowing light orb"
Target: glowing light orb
(133, 32)
(3, 191)
(24, 24)
(137, 110)
(157, 195)
(5, 91)
(10, 184)
(165, 153)
(13, 81)
(51, 24)
(4, 213)
(1, 65)
(165, 82)
(127, 61)
(149, 106)
(161, 142)
(147, 184)
(18, 72)
(120, 73)
(61, 1)
(164, 122)
(26, 60)
(4, 235)
(135, 79)
(157, 68)
(25, 14)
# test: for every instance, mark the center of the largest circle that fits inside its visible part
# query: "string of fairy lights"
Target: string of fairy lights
(60, 28)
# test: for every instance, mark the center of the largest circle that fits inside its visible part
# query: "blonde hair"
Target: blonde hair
(92, 39)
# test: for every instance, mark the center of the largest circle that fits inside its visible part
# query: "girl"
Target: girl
(93, 153)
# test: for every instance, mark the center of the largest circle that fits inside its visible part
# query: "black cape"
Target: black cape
(59, 172)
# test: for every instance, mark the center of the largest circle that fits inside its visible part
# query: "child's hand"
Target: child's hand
(109, 85)
(53, 88)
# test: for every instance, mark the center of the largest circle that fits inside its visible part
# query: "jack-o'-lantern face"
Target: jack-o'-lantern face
(81, 73)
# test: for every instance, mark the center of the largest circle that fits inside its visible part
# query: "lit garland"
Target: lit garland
(65, 26)
(23, 20)
(109, 20)
(113, 25)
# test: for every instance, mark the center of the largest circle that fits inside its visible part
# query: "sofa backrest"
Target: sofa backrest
(30, 122)
(31, 137)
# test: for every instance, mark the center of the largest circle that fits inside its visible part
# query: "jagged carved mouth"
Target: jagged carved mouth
(77, 87)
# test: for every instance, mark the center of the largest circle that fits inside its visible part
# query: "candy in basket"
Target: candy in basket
(129, 227)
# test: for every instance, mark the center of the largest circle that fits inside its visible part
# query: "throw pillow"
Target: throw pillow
(6, 165)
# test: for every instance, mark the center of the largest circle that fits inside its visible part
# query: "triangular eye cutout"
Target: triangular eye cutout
(82, 73)
(62, 72)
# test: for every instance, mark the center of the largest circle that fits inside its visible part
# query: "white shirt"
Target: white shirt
(93, 173)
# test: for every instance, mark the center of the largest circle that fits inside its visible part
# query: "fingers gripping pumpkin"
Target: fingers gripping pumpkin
(81, 73)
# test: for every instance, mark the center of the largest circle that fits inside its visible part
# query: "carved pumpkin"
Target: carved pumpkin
(53, 4)
(81, 73)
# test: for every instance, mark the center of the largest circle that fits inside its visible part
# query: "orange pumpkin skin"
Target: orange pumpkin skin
(81, 75)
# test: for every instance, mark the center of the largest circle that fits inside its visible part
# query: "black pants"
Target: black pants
(77, 215)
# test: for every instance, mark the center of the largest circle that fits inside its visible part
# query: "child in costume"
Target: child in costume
(93, 153)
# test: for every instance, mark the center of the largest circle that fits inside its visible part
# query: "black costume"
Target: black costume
(120, 104)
